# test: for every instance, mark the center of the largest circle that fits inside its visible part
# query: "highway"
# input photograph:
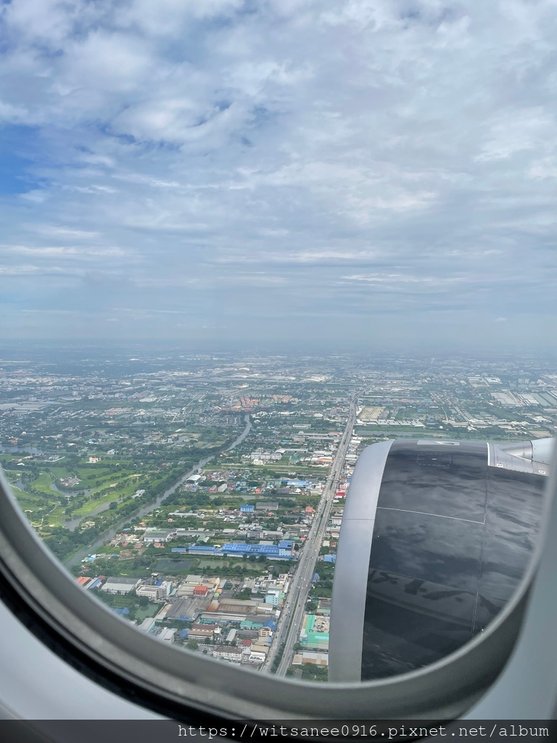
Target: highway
(102, 538)
(292, 615)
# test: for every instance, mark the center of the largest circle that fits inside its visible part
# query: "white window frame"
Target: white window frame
(180, 684)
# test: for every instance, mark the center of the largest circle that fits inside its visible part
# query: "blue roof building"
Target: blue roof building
(203, 549)
(271, 551)
(247, 508)
(266, 550)
(298, 483)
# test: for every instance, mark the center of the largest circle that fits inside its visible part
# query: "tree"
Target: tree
(192, 644)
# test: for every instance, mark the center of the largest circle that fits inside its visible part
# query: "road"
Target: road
(292, 615)
(76, 557)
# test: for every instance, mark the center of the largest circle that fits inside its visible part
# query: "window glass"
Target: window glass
(243, 242)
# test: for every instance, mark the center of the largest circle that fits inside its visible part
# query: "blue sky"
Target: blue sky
(378, 174)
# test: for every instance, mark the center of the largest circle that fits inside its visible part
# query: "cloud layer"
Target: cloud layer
(375, 174)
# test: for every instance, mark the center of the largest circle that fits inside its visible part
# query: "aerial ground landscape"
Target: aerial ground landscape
(192, 492)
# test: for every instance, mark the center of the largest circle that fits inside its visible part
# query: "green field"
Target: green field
(48, 504)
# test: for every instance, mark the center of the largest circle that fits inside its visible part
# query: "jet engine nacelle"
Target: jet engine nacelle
(435, 537)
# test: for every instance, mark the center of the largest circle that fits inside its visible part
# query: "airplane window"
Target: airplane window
(277, 401)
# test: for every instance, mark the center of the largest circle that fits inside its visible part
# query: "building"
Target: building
(247, 508)
(313, 659)
(120, 586)
(239, 606)
(315, 632)
(273, 597)
(153, 593)
(185, 609)
(158, 535)
(167, 634)
(285, 544)
(258, 652)
(271, 551)
(202, 631)
(226, 652)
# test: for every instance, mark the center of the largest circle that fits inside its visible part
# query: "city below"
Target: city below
(201, 496)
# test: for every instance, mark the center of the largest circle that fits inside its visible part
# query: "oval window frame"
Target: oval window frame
(108, 650)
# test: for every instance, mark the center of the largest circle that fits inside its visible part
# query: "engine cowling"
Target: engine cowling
(434, 539)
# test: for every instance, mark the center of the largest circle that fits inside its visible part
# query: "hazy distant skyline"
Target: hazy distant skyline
(342, 175)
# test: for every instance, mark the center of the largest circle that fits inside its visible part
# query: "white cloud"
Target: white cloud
(64, 232)
(200, 146)
(12, 114)
(106, 62)
(45, 21)
(64, 251)
(166, 18)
